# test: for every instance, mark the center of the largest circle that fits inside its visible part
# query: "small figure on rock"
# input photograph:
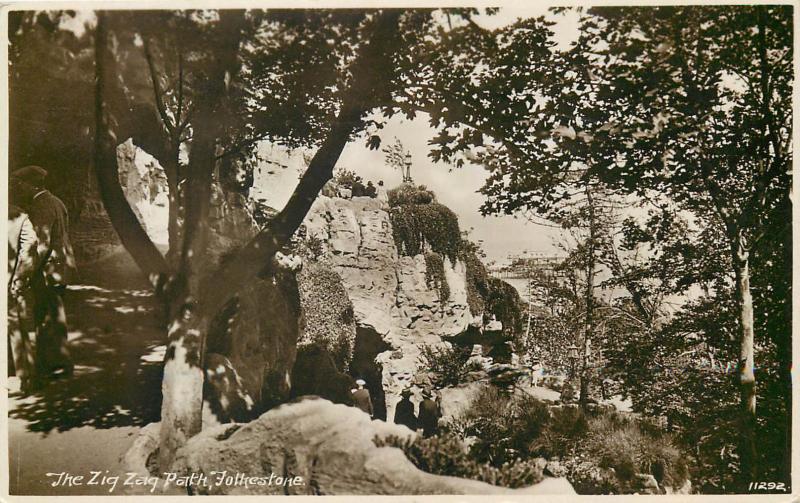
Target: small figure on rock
(361, 397)
(370, 190)
(429, 414)
(404, 412)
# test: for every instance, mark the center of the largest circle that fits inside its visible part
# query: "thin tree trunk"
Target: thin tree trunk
(590, 271)
(171, 169)
(131, 233)
(747, 378)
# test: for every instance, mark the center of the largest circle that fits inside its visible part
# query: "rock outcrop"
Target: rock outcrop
(312, 447)
(389, 292)
(252, 345)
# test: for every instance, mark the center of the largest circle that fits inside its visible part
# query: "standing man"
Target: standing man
(404, 412)
(55, 261)
(361, 397)
(429, 414)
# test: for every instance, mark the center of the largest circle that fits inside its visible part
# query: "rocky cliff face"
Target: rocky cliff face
(390, 295)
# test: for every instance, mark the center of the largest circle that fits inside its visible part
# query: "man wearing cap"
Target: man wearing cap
(361, 398)
(404, 412)
(55, 261)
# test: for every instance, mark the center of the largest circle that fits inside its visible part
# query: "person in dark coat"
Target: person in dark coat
(404, 412)
(429, 414)
(361, 398)
(48, 281)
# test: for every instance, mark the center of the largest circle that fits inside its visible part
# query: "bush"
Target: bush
(503, 426)
(603, 452)
(631, 447)
(425, 227)
(477, 278)
(327, 313)
(410, 194)
(445, 455)
(448, 365)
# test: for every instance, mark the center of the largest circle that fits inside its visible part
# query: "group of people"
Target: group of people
(40, 259)
(430, 410)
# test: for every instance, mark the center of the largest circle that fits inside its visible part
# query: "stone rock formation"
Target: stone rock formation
(252, 346)
(325, 448)
(391, 298)
(145, 186)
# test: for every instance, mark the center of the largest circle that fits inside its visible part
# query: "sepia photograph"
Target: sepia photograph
(335, 249)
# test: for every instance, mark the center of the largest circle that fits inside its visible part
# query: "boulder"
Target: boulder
(320, 448)
(252, 345)
(390, 294)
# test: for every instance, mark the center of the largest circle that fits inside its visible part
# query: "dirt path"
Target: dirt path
(87, 421)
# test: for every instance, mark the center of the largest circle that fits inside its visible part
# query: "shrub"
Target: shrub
(504, 302)
(503, 426)
(602, 451)
(630, 447)
(410, 194)
(477, 278)
(445, 455)
(312, 247)
(435, 276)
(425, 227)
(327, 313)
(448, 365)
(568, 393)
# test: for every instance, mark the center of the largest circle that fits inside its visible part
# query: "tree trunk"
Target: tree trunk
(131, 233)
(747, 378)
(171, 169)
(590, 272)
(182, 386)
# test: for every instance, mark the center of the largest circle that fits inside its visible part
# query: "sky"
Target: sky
(457, 188)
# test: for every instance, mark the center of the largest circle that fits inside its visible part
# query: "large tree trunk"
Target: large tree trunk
(182, 386)
(747, 378)
(131, 233)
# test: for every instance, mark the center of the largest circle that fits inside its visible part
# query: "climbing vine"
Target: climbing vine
(419, 228)
(435, 276)
(477, 279)
(422, 225)
(410, 194)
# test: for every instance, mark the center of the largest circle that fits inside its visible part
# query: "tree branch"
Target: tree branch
(159, 95)
(257, 255)
(123, 219)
